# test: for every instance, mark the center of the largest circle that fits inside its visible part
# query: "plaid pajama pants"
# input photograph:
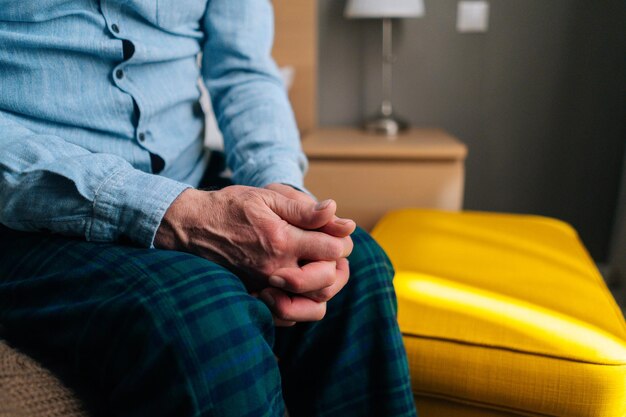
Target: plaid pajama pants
(139, 332)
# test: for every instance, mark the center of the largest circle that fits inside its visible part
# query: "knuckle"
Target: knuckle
(321, 312)
(349, 245)
(281, 234)
(270, 265)
(324, 295)
(248, 196)
(296, 285)
(281, 312)
(336, 249)
(328, 293)
(330, 278)
(273, 233)
(277, 238)
(266, 269)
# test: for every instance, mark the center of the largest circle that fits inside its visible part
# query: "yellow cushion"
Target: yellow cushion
(505, 312)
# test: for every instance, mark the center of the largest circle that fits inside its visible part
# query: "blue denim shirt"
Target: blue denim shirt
(90, 91)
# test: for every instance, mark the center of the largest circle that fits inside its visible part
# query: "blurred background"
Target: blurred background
(539, 98)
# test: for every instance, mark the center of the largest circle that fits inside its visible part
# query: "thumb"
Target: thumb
(303, 214)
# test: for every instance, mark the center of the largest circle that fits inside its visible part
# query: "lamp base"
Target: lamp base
(385, 125)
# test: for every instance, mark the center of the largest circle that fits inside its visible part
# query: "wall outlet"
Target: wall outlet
(473, 17)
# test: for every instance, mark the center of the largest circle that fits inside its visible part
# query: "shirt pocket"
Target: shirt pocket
(180, 14)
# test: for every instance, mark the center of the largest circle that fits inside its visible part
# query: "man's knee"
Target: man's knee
(368, 258)
(197, 311)
(200, 295)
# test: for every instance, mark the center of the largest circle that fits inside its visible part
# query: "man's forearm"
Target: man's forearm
(49, 184)
(251, 105)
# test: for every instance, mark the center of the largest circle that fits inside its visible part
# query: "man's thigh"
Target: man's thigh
(353, 362)
(120, 320)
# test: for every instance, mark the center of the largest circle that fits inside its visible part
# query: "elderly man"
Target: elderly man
(147, 295)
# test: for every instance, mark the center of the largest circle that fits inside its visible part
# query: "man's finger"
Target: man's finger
(292, 308)
(313, 276)
(283, 323)
(339, 227)
(342, 274)
(335, 227)
(318, 246)
(303, 214)
(277, 322)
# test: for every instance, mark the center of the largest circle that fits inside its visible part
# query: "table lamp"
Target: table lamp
(385, 122)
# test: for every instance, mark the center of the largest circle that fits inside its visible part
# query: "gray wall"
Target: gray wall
(618, 241)
(539, 99)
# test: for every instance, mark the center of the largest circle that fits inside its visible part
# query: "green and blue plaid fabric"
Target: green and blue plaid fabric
(145, 332)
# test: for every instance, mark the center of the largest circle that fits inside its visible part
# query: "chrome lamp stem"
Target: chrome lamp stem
(387, 73)
(385, 122)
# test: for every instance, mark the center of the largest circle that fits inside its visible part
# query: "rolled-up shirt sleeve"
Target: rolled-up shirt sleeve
(49, 184)
(261, 139)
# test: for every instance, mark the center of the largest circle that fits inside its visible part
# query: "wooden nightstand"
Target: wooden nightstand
(369, 175)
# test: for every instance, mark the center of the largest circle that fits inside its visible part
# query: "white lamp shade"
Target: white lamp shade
(384, 8)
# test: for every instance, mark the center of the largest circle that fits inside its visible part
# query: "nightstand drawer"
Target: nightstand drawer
(369, 176)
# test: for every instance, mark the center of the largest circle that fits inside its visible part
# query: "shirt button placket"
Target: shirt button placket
(119, 74)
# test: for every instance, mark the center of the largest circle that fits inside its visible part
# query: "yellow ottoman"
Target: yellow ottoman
(504, 315)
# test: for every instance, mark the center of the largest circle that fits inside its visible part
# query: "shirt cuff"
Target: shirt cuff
(131, 204)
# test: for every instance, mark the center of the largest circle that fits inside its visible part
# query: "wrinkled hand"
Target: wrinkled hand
(291, 289)
(335, 227)
(264, 236)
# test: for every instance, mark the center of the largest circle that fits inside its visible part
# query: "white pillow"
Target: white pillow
(213, 138)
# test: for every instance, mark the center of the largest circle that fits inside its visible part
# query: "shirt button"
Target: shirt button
(142, 137)
(115, 28)
(119, 74)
